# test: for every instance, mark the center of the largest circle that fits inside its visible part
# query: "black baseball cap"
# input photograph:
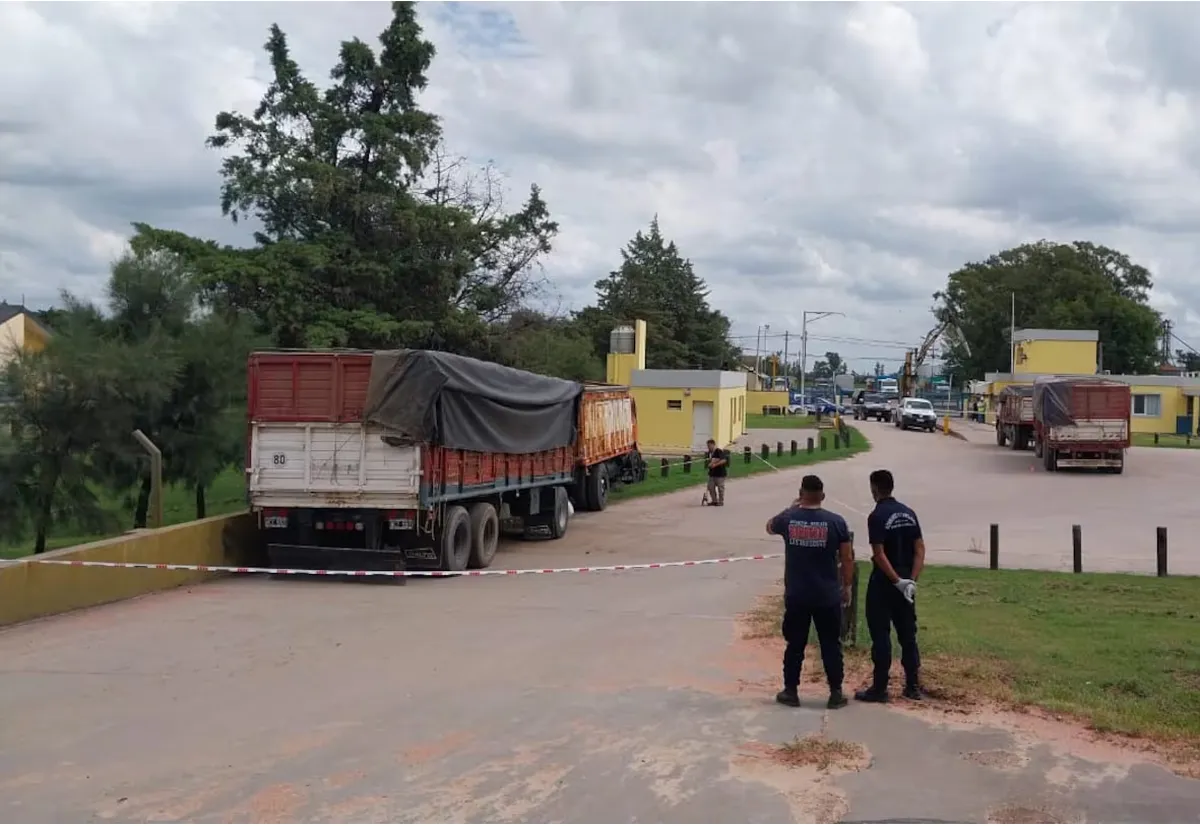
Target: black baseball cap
(812, 484)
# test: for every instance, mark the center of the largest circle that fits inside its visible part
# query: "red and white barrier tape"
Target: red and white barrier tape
(223, 569)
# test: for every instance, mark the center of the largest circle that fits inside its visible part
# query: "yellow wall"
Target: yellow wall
(12, 337)
(665, 430)
(35, 335)
(1056, 357)
(1172, 403)
(29, 589)
(756, 400)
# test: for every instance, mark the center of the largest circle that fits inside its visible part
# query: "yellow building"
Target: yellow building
(1160, 404)
(677, 410)
(767, 401)
(19, 331)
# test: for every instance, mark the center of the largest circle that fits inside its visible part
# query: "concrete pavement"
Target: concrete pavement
(605, 697)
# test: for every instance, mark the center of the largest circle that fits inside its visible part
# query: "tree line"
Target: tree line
(368, 232)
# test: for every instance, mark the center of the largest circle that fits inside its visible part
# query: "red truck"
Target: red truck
(1081, 422)
(416, 459)
(1014, 417)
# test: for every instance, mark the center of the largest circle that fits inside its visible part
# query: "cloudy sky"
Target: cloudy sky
(805, 157)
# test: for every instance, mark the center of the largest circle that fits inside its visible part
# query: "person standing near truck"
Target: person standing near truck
(898, 555)
(717, 462)
(817, 574)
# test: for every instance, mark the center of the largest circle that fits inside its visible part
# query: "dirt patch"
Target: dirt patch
(436, 749)
(822, 753)
(1024, 814)
(1002, 759)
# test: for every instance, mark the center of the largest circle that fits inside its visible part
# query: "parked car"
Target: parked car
(869, 406)
(916, 413)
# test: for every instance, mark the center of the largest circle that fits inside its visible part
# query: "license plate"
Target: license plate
(426, 554)
(276, 521)
(400, 524)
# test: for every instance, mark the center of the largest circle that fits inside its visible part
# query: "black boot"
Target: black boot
(912, 691)
(788, 697)
(836, 699)
(874, 694)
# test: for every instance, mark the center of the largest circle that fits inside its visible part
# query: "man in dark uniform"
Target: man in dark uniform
(717, 462)
(898, 554)
(816, 541)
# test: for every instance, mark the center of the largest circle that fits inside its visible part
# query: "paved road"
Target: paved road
(603, 698)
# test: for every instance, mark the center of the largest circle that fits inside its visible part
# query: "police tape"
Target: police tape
(228, 569)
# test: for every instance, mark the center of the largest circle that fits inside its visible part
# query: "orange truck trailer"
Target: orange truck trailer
(389, 460)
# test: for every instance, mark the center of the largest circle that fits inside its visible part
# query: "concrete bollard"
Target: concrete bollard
(687, 463)
(795, 447)
(747, 453)
(1077, 549)
(994, 547)
(1155, 438)
(1161, 551)
(779, 448)
(765, 452)
(810, 444)
(666, 466)
(822, 442)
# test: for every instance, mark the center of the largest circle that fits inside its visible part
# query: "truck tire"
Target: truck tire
(562, 514)
(596, 488)
(485, 534)
(1000, 438)
(1016, 440)
(1048, 458)
(456, 539)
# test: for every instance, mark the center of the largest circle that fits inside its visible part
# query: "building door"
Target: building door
(702, 424)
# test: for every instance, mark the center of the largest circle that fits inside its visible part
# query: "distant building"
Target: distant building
(19, 331)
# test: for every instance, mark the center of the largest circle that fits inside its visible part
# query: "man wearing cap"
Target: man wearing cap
(898, 555)
(817, 573)
(717, 461)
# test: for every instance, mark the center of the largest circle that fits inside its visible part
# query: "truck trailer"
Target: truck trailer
(417, 459)
(1014, 417)
(1081, 422)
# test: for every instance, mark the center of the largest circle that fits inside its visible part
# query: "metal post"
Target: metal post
(994, 547)
(156, 475)
(803, 354)
(1161, 551)
(1077, 549)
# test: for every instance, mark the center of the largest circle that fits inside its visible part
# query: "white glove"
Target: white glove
(907, 587)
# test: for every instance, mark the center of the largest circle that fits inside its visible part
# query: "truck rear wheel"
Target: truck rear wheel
(1048, 458)
(1016, 440)
(485, 535)
(596, 488)
(456, 539)
(1000, 435)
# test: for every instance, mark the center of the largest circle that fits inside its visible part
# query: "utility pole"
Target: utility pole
(785, 358)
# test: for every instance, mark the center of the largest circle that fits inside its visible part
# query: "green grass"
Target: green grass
(226, 495)
(758, 420)
(1119, 652)
(677, 479)
(1165, 440)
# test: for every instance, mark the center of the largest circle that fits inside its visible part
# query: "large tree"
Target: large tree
(657, 284)
(1057, 286)
(370, 235)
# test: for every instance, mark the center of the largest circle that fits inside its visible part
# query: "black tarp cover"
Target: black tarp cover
(466, 404)
(1052, 398)
(1017, 390)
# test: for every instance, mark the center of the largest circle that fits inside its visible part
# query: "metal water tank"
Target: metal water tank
(622, 339)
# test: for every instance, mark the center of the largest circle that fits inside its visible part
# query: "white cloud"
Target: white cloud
(805, 156)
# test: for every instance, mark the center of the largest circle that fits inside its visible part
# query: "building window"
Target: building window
(674, 404)
(1147, 404)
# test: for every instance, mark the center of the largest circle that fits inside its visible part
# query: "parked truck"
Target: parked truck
(1014, 417)
(416, 459)
(1081, 422)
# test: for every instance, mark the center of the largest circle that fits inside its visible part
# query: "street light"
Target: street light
(816, 315)
(763, 329)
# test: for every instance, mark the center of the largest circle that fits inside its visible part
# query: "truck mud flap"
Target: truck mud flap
(314, 558)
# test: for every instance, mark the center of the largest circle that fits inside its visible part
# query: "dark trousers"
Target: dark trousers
(887, 607)
(798, 617)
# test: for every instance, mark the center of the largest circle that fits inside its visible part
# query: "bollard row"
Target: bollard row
(839, 441)
(1160, 550)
